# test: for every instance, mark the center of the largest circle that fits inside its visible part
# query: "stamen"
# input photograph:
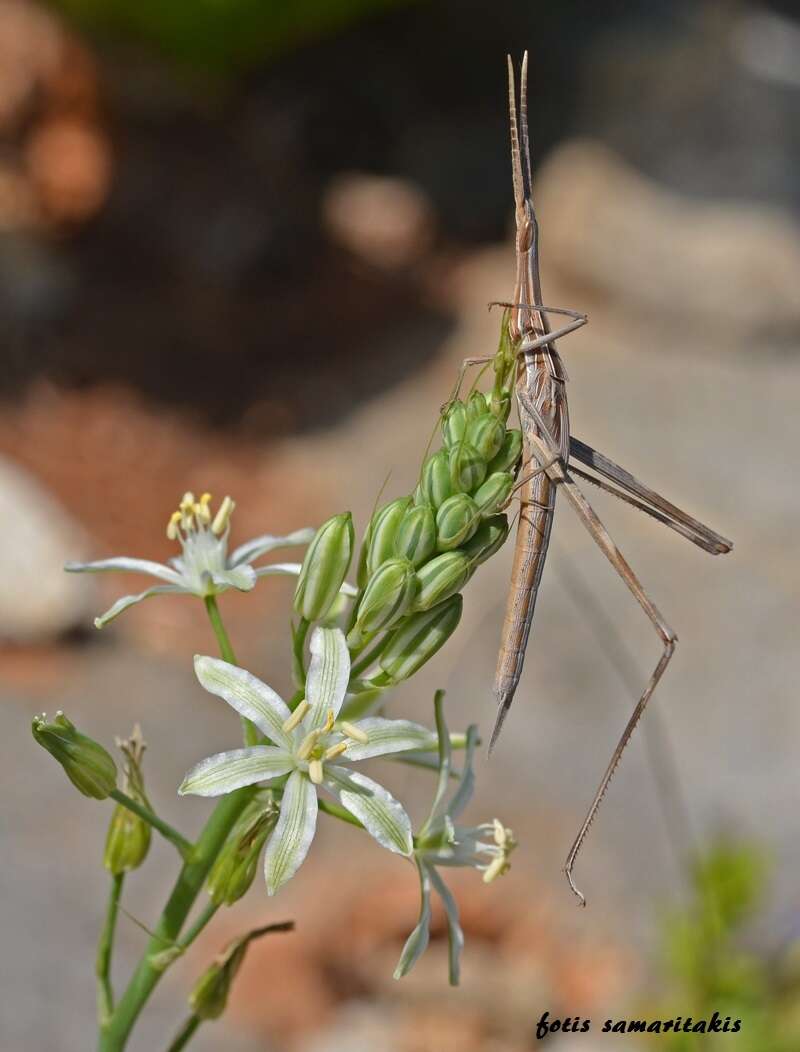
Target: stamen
(329, 722)
(334, 751)
(498, 868)
(187, 501)
(315, 772)
(354, 732)
(222, 518)
(297, 716)
(172, 525)
(307, 744)
(201, 512)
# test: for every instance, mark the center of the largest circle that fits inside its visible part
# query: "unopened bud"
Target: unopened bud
(476, 405)
(128, 838)
(209, 997)
(509, 452)
(324, 567)
(494, 493)
(500, 406)
(456, 521)
(467, 468)
(440, 578)
(382, 532)
(86, 763)
(419, 637)
(387, 597)
(454, 423)
(235, 867)
(488, 538)
(485, 434)
(435, 482)
(416, 535)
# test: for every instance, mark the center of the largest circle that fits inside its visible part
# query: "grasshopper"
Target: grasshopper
(549, 464)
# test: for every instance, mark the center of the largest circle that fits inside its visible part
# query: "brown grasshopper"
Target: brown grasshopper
(548, 465)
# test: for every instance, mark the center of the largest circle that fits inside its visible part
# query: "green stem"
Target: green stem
(184, 1035)
(198, 925)
(250, 731)
(184, 846)
(105, 946)
(298, 652)
(113, 1038)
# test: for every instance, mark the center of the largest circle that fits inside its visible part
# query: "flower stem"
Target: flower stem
(184, 846)
(114, 1036)
(251, 735)
(182, 1038)
(105, 945)
(198, 925)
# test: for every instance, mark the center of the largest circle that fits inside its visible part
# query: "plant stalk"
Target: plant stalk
(184, 846)
(105, 945)
(250, 731)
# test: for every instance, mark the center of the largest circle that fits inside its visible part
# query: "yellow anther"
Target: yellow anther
(496, 869)
(297, 716)
(205, 499)
(222, 518)
(334, 751)
(187, 501)
(172, 525)
(329, 722)
(307, 744)
(315, 772)
(354, 732)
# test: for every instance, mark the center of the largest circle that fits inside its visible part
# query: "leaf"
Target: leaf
(292, 836)
(227, 771)
(247, 695)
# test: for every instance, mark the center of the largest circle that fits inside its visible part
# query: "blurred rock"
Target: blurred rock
(734, 265)
(386, 222)
(38, 601)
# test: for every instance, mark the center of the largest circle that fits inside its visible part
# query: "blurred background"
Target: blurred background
(244, 247)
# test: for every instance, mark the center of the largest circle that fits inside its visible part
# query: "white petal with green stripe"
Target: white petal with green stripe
(417, 942)
(382, 816)
(292, 836)
(389, 736)
(328, 674)
(247, 695)
(227, 771)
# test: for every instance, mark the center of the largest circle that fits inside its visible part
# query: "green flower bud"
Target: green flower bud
(467, 468)
(476, 405)
(509, 453)
(235, 866)
(382, 531)
(456, 521)
(487, 539)
(386, 598)
(440, 578)
(500, 407)
(326, 562)
(494, 492)
(454, 423)
(419, 637)
(209, 997)
(416, 534)
(485, 434)
(128, 838)
(435, 482)
(87, 764)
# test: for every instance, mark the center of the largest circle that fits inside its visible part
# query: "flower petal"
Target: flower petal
(279, 570)
(231, 770)
(292, 836)
(389, 736)
(417, 942)
(383, 817)
(328, 674)
(130, 600)
(455, 936)
(466, 785)
(267, 542)
(126, 564)
(241, 577)
(247, 695)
